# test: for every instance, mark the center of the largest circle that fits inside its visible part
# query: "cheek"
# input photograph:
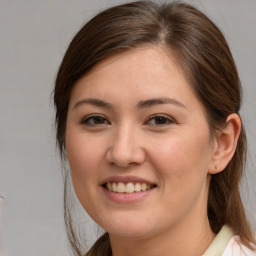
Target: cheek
(84, 157)
(82, 151)
(182, 164)
(183, 159)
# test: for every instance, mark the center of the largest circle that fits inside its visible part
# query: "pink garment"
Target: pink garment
(235, 248)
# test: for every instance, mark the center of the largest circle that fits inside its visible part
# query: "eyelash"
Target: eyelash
(86, 121)
(167, 120)
(164, 120)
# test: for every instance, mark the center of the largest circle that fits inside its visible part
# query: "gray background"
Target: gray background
(34, 35)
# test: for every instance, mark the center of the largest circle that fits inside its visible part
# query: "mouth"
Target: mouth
(128, 187)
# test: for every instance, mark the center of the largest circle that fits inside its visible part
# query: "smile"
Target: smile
(129, 187)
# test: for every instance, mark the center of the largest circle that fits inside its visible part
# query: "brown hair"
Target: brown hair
(203, 54)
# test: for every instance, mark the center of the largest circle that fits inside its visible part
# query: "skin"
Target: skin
(176, 153)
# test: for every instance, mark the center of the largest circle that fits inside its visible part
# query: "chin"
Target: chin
(129, 228)
(130, 234)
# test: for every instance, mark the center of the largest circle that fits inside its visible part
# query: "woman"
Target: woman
(147, 113)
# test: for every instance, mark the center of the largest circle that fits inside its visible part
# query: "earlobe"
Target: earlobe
(225, 144)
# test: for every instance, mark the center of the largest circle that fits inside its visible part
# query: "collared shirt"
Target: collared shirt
(226, 244)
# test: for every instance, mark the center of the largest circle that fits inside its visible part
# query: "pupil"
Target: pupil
(160, 120)
(98, 120)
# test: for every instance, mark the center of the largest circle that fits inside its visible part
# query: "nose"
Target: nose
(126, 148)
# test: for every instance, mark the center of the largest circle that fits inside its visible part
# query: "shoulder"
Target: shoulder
(235, 248)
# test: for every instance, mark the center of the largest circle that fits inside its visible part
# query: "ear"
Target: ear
(225, 144)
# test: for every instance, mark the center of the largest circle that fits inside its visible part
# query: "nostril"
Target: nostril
(124, 154)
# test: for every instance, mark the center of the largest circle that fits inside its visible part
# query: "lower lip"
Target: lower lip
(127, 197)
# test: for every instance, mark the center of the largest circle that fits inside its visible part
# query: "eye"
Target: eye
(160, 120)
(94, 120)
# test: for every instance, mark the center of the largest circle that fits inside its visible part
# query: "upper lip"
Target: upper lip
(126, 179)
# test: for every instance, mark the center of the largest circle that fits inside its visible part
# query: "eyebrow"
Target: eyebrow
(157, 101)
(95, 102)
(140, 105)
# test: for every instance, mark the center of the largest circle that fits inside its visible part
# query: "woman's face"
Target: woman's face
(138, 145)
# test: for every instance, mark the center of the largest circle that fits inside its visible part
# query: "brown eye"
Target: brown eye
(160, 121)
(95, 120)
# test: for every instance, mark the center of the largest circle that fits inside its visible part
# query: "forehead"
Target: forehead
(147, 58)
(136, 75)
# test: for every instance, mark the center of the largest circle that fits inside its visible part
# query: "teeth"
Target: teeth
(137, 187)
(114, 187)
(129, 187)
(144, 186)
(121, 187)
(109, 186)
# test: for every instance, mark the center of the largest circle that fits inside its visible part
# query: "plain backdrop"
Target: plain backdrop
(34, 36)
